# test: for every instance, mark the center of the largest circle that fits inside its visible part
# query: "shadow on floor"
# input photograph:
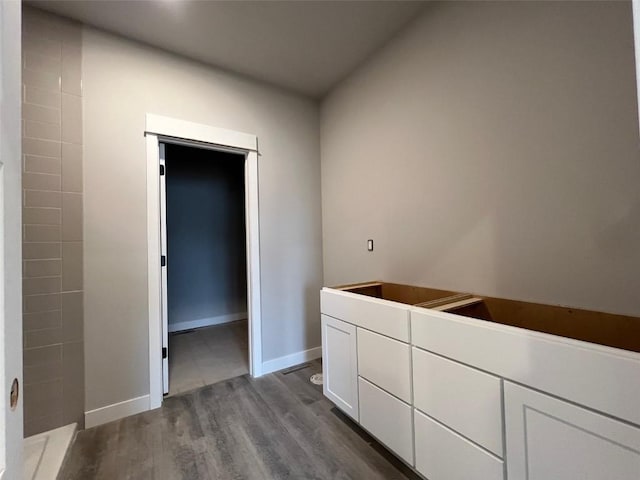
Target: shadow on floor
(208, 355)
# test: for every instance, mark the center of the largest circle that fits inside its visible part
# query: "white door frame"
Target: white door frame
(11, 431)
(169, 130)
(636, 37)
(164, 292)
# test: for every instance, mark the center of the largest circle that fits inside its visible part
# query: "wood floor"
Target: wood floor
(275, 427)
(207, 355)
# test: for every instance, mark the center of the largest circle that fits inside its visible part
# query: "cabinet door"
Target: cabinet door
(340, 365)
(549, 439)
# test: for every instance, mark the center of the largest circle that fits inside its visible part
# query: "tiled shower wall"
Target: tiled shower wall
(52, 222)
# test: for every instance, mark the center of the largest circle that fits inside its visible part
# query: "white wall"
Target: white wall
(492, 148)
(123, 81)
(11, 428)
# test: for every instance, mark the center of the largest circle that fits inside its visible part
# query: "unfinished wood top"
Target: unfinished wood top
(456, 305)
(356, 286)
(407, 294)
(444, 301)
(607, 329)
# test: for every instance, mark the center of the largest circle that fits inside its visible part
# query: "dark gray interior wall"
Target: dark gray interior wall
(491, 147)
(206, 246)
(53, 224)
(122, 81)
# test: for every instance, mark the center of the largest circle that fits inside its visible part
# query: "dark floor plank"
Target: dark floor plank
(337, 427)
(275, 427)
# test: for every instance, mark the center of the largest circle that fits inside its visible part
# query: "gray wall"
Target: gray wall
(492, 148)
(122, 81)
(52, 223)
(206, 256)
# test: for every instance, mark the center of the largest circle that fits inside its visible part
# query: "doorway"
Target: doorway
(161, 130)
(204, 237)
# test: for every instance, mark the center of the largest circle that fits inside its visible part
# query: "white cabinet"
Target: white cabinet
(382, 316)
(340, 364)
(387, 418)
(461, 398)
(442, 454)
(385, 362)
(548, 439)
(465, 399)
(601, 378)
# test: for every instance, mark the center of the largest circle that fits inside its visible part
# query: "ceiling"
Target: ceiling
(305, 46)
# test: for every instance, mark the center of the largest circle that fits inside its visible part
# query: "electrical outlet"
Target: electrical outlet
(370, 245)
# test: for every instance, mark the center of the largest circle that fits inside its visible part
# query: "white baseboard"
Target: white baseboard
(116, 411)
(206, 322)
(119, 410)
(291, 360)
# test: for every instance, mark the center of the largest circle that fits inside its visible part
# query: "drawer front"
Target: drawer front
(442, 454)
(465, 399)
(566, 368)
(382, 316)
(385, 362)
(387, 418)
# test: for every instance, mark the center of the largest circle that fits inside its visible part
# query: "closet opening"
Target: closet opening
(204, 266)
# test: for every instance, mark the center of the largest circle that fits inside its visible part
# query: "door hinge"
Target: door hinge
(161, 169)
(163, 260)
(164, 352)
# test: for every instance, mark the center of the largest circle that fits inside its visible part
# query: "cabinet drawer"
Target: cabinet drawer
(442, 454)
(382, 316)
(385, 362)
(465, 399)
(387, 418)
